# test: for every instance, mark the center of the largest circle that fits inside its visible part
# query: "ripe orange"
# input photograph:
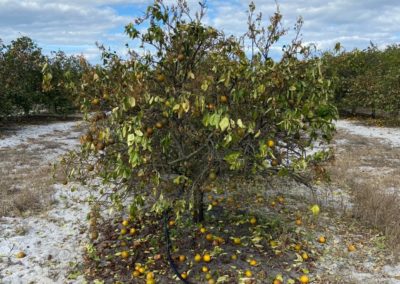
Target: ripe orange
(197, 258)
(270, 143)
(248, 273)
(253, 262)
(184, 275)
(203, 230)
(160, 78)
(95, 102)
(237, 241)
(20, 254)
(181, 57)
(149, 275)
(182, 258)
(205, 269)
(132, 231)
(211, 281)
(351, 248)
(171, 223)
(209, 237)
(322, 239)
(207, 257)
(159, 125)
(149, 131)
(304, 255)
(298, 222)
(125, 223)
(124, 254)
(135, 273)
(274, 162)
(304, 279)
(223, 99)
(277, 281)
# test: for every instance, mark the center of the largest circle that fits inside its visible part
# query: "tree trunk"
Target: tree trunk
(198, 208)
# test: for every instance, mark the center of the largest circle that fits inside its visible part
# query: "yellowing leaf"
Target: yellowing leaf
(224, 123)
(240, 123)
(132, 101)
(315, 209)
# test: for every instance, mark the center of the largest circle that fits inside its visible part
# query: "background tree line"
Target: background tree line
(366, 79)
(21, 76)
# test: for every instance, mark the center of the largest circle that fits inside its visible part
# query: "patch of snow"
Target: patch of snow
(392, 135)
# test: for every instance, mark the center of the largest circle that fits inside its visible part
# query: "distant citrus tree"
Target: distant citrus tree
(366, 78)
(193, 105)
(20, 75)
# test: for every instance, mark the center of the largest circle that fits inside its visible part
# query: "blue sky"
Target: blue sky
(75, 26)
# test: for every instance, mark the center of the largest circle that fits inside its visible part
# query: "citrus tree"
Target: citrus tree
(192, 105)
(62, 73)
(365, 78)
(20, 74)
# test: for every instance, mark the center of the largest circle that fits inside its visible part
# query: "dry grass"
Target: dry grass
(26, 179)
(371, 170)
(25, 183)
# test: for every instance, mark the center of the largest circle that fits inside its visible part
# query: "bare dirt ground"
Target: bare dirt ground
(47, 221)
(38, 215)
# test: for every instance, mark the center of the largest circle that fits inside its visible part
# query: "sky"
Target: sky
(74, 26)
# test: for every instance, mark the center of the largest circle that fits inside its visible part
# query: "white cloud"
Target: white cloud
(76, 25)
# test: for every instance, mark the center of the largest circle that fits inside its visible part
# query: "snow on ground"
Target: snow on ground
(392, 135)
(52, 240)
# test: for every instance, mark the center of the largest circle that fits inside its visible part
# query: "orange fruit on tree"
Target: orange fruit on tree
(203, 230)
(159, 125)
(123, 231)
(305, 256)
(182, 258)
(209, 237)
(184, 275)
(125, 223)
(204, 269)
(149, 131)
(253, 262)
(223, 99)
(149, 275)
(160, 78)
(136, 273)
(248, 273)
(132, 231)
(270, 143)
(124, 254)
(181, 57)
(207, 257)
(253, 221)
(197, 258)
(237, 241)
